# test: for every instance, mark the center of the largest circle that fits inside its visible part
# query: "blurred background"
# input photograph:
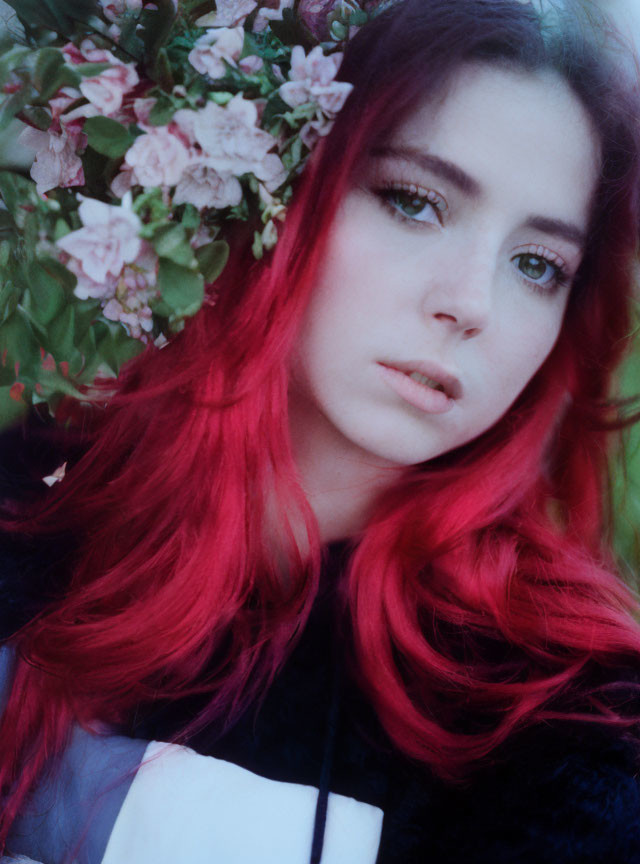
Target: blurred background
(624, 42)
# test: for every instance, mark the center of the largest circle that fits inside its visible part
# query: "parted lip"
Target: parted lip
(451, 384)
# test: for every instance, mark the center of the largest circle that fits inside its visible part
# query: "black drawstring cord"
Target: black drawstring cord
(327, 762)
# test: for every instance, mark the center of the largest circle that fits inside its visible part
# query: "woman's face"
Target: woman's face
(451, 257)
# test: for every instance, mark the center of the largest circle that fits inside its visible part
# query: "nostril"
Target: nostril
(470, 332)
(444, 316)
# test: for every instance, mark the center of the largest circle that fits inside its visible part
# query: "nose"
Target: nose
(459, 293)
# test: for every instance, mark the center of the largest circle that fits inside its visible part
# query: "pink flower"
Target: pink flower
(183, 124)
(136, 320)
(61, 101)
(89, 53)
(229, 13)
(272, 208)
(269, 235)
(107, 241)
(56, 477)
(313, 130)
(73, 54)
(56, 165)
(86, 287)
(266, 14)
(141, 109)
(312, 80)
(122, 182)
(107, 90)
(129, 302)
(201, 237)
(251, 64)
(202, 186)
(114, 9)
(231, 141)
(272, 172)
(214, 47)
(157, 158)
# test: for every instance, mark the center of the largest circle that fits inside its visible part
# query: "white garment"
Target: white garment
(19, 859)
(193, 809)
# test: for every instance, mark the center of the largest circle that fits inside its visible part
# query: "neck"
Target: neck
(341, 481)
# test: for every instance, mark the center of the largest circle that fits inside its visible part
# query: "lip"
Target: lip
(451, 384)
(419, 396)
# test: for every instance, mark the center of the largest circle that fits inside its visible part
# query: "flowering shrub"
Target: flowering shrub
(151, 125)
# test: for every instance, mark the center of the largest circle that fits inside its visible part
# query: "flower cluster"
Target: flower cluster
(148, 134)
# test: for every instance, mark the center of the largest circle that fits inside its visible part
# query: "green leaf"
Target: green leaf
(46, 293)
(182, 290)
(108, 137)
(190, 217)
(290, 30)
(10, 409)
(13, 105)
(52, 382)
(116, 347)
(256, 246)
(91, 70)
(17, 340)
(8, 301)
(129, 40)
(5, 254)
(61, 335)
(36, 116)
(53, 15)
(87, 312)
(156, 28)
(16, 192)
(170, 241)
(48, 64)
(220, 97)
(275, 108)
(12, 59)
(161, 70)
(162, 112)
(61, 229)
(339, 31)
(65, 76)
(212, 259)
(7, 226)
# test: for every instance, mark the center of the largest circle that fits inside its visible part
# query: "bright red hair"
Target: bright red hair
(482, 588)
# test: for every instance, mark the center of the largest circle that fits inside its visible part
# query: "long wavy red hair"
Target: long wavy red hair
(175, 587)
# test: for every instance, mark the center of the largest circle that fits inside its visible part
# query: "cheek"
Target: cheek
(527, 343)
(349, 294)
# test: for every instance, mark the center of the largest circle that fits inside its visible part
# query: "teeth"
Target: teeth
(429, 382)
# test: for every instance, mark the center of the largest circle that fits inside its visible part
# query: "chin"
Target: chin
(398, 450)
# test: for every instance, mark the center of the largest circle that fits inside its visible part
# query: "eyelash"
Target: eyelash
(385, 192)
(559, 280)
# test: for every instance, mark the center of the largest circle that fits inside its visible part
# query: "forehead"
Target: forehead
(512, 132)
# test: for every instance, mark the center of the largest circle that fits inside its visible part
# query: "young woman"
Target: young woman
(345, 537)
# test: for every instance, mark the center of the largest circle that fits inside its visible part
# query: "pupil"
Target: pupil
(533, 266)
(412, 206)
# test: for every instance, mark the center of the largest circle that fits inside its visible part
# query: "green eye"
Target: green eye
(537, 269)
(411, 205)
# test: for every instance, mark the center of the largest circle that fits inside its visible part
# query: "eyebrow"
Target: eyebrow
(465, 183)
(472, 189)
(558, 228)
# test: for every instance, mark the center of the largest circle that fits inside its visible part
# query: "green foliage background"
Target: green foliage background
(626, 475)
